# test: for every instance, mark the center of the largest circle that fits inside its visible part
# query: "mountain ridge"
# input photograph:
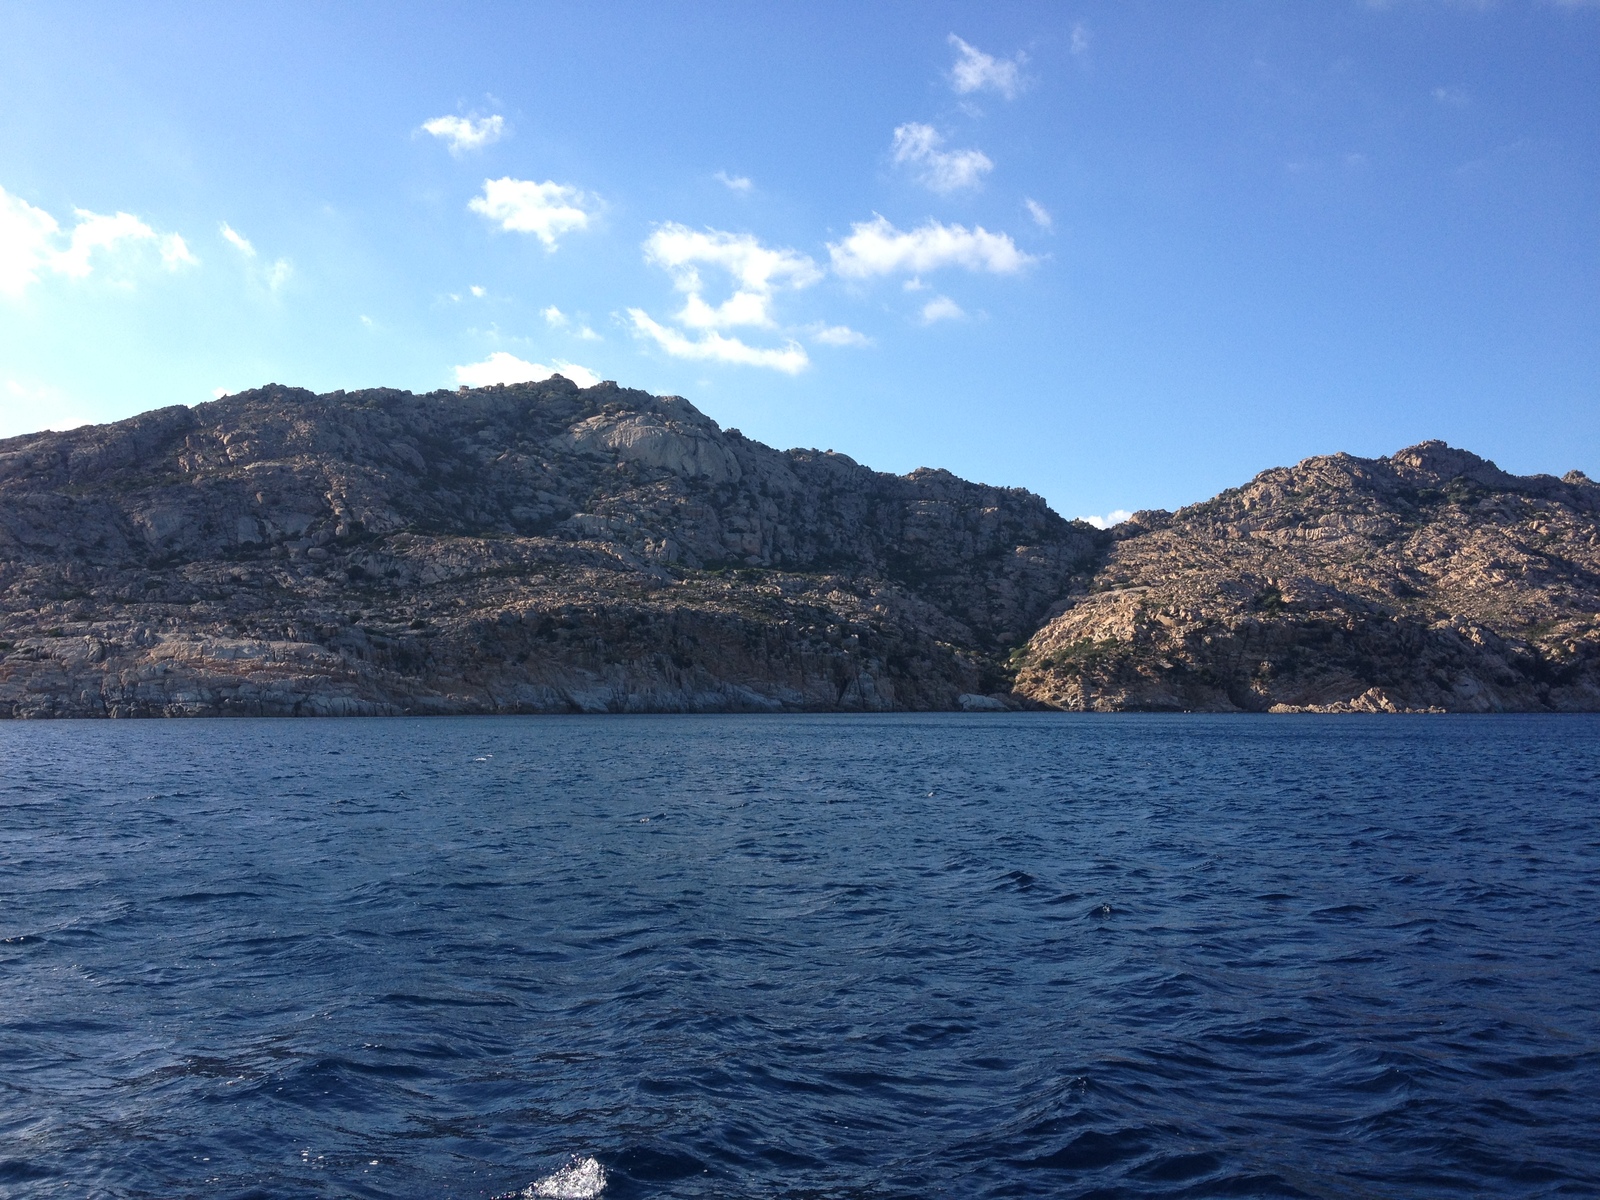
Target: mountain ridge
(550, 548)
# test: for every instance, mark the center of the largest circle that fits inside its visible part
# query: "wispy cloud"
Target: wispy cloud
(31, 243)
(547, 210)
(941, 308)
(715, 347)
(557, 319)
(175, 252)
(876, 247)
(734, 183)
(839, 335)
(501, 367)
(274, 275)
(1453, 96)
(918, 147)
(236, 239)
(462, 134)
(1080, 38)
(1040, 214)
(975, 71)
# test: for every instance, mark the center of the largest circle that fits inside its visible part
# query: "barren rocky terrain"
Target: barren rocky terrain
(545, 548)
(1430, 580)
(537, 548)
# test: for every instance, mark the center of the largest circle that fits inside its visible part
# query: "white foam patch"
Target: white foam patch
(580, 1179)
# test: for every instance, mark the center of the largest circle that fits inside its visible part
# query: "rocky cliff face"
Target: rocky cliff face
(1429, 580)
(537, 548)
(545, 548)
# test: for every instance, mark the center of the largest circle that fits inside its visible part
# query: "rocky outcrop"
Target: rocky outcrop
(539, 548)
(1428, 581)
(546, 548)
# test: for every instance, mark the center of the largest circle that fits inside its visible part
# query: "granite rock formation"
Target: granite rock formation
(1427, 581)
(546, 548)
(537, 548)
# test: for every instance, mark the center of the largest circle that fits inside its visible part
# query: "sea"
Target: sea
(969, 956)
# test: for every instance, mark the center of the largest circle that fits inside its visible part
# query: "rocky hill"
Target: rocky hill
(537, 548)
(545, 548)
(1426, 581)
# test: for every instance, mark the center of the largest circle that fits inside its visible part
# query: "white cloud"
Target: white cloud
(557, 319)
(941, 308)
(29, 239)
(839, 335)
(876, 247)
(546, 210)
(734, 183)
(1040, 214)
(1080, 38)
(714, 347)
(975, 71)
(757, 272)
(26, 234)
(1453, 96)
(238, 239)
(1115, 517)
(175, 253)
(273, 276)
(95, 231)
(754, 267)
(463, 133)
(501, 367)
(944, 171)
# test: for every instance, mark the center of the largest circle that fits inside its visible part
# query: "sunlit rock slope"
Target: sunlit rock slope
(1428, 580)
(537, 548)
(546, 548)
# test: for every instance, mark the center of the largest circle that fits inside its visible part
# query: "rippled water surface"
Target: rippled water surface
(802, 957)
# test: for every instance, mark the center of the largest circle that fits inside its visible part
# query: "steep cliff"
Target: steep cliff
(1429, 580)
(537, 548)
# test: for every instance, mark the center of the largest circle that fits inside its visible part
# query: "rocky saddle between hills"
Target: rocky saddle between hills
(545, 548)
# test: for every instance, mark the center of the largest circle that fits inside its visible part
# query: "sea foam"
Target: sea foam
(580, 1179)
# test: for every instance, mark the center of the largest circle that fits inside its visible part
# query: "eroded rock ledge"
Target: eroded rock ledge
(545, 548)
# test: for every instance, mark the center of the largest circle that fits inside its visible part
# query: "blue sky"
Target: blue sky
(1124, 254)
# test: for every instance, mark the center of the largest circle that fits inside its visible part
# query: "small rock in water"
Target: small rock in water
(580, 1179)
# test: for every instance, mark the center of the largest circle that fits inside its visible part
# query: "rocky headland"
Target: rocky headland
(546, 548)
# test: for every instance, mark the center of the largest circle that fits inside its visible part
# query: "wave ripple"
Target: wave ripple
(822, 957)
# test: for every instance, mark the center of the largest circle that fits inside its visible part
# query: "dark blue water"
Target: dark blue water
(802, 956)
